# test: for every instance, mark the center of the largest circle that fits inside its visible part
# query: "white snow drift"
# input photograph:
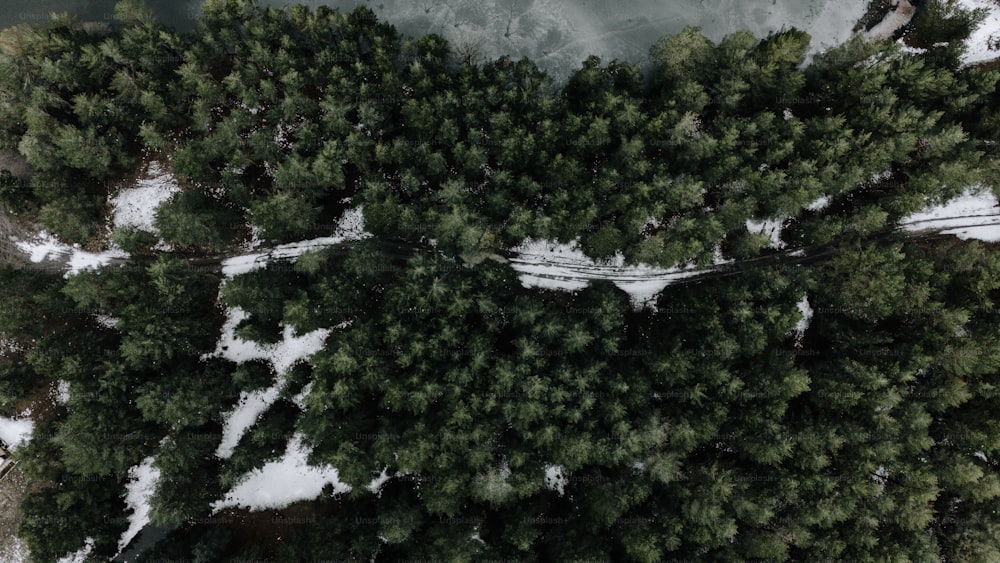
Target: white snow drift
(282, 482)
(81, 555)
(139, 491)
(553, 265)
(136, 207)
(972, 215)
(16, 431)
(281, 355)
(978, 43)
(350, 228)
(46, 246)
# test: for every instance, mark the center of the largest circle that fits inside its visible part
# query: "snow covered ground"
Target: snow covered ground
(61, 394)
(282, 482)
(46, 246)
(138, 492)
(974, 215)
(978, 42)
(555, 479)
(350, 228)
(81, 555)
(16, 431)
(553, 265)
(136, 207)
(376, 484)
(281, 355)
(807, 315)
(15, 552)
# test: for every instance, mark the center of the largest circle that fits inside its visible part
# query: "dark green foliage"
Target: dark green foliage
(15, 193)
(195, 219)
(710, 428)
(83, 508)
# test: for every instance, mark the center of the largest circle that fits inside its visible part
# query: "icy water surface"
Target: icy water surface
(558, 34)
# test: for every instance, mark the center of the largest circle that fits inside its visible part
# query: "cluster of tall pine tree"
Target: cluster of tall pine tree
(512, 423)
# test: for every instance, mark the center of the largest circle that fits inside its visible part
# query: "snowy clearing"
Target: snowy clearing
(973, 214)
(351, 227)
(978, 43)
(136, 207)
(282, 482)
(81, 555)
(47, 247)
(15, 432)
(138, 492)
(552, 265)
(559, 34)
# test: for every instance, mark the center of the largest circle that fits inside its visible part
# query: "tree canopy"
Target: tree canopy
(831, 400)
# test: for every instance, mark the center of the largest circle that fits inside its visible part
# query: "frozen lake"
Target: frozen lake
(558, 34)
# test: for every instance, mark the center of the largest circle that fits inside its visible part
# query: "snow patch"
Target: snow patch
(551, 265)
(819, 204)
(15, 432)
(246, 413)
(719, 259)
(807, 314)
(47, 247)
(978, 43)
(973, 215)
(555, 479)
(904, 48)
(376, 485)
(80, 260)
(255, 240)
(138, 492)
(300, 398)
(44, 246)
(7, 346)
(136, 207)
(280, 483)
(62, 392)
(16, 551)
(107, 321)
(351, 227)
(281, 355)
(81, 555)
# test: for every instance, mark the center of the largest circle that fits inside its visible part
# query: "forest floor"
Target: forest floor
(14, 487)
